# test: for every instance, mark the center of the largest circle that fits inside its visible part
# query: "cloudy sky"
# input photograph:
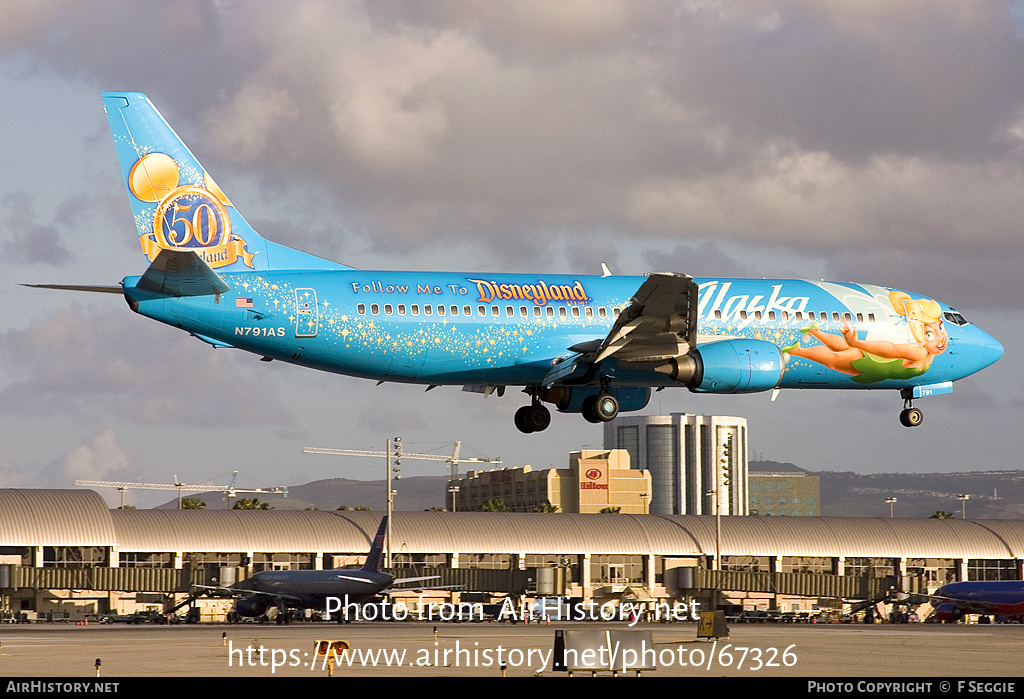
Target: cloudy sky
(872, 141)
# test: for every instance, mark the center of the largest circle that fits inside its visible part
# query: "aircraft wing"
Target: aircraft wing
(395, 582)
(660, 323)
(405, 580)
(354, 578)
(225, 591)
(239, 592)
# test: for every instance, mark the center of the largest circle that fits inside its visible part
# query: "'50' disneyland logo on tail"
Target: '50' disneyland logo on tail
(190, 216)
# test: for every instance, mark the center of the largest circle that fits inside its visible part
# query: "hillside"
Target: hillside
(993, 494)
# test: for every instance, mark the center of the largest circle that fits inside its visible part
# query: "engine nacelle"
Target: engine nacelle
(569, 399)
(252, 606)
(737, 366)
(947, 611)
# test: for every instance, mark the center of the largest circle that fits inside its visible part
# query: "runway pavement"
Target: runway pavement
(410, 649)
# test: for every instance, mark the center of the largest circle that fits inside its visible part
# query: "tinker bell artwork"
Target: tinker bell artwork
(872, 360)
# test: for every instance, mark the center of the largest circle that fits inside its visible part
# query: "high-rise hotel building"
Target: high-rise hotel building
(694, 460)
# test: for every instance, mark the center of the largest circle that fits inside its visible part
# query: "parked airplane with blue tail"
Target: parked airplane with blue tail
(593, 345)
(1000, 597)
(328, 591)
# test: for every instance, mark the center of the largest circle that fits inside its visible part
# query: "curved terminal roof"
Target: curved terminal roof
(38, 517)
(242, 530)
(81, 518)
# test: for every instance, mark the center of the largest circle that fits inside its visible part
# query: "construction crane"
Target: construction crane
(230, 490)
(394, 451)
(452, 461)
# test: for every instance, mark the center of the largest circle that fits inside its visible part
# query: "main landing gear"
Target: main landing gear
(533, 418)
(603, 407)
(910, 416)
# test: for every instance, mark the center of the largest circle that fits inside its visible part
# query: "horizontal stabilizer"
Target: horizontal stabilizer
(71, 287)
(182, 273)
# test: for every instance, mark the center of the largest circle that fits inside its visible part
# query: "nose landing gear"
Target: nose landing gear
(910, 416)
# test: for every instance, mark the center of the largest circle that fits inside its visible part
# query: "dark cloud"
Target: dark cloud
(97, 363)
(796, 122)
(872, 141)
(969, 395)
(704, 259)
(24, 239)
(970, 280)
(938, 80)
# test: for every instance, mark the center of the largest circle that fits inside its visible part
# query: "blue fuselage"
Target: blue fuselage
(309, 589)
(509, 329)
(985, 597)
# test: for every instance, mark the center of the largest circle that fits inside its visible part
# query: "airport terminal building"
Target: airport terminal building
(65, 553)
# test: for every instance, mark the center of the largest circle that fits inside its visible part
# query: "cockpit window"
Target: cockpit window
(954, 317)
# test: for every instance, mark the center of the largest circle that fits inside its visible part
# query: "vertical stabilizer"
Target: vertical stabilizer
(175, 202)
(373, 558)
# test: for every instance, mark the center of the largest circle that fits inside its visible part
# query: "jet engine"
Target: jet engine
(252, 606)
(729, 366)
(947, 611)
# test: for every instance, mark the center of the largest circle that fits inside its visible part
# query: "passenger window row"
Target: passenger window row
(799, 316)
(481, 310)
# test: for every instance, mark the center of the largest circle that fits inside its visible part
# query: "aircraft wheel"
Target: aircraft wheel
(589, 409)
(606, 407)
(911, 417)
(523, 419)
(538, 418)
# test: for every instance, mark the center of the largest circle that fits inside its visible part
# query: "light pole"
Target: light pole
(963, 498)
(722, 480)
(891, 502)
(394, 449)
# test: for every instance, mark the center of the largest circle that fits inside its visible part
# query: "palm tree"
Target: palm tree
(251, 504)
(192, 503)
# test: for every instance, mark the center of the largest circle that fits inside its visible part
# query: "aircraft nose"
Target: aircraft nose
(989, 349)
(984, 351)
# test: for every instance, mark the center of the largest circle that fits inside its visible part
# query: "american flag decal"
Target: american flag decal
(243, 303)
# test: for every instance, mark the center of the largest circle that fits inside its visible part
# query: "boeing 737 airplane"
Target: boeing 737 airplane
(593, 345)
(1002, 597)
(310, 589)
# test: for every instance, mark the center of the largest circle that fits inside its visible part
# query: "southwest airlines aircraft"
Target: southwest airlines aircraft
(593, 345)
(979, 597)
